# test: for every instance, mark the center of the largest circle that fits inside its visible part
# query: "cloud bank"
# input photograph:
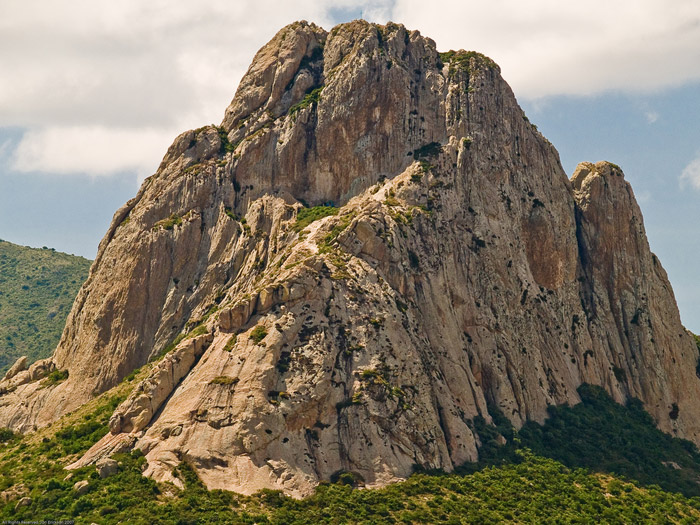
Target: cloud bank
(691, 174)
(91, 150)
(570, 48)
(103, 86)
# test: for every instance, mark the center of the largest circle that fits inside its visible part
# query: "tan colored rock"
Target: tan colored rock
(41, 369)
(104, 448)
(231, 319)
(464, 273)
(19, 366)
(107, 467)
(81, 487)
(23, 502)
(145, 400)
(13, 493)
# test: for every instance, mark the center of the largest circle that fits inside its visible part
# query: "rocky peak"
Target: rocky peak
(454, 272)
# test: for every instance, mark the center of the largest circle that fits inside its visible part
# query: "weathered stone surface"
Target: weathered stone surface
(104, 448)
(81, 487)
(145, 400)
(19, 366)
(107, 467)
(24, 502)
(13, 493)
(464, 272)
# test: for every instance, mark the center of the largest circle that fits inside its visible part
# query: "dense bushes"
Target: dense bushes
(37, 289)
(511, 485)
(603, 436)
(534, 490)
(306, 216)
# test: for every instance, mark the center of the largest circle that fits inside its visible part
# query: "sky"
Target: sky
(94, 91)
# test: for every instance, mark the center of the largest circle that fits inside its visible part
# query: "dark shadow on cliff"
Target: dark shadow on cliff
(600, 435)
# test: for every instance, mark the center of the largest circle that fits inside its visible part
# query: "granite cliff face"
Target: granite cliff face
(459, 270)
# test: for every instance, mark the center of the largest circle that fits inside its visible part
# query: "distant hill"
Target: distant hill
(37, 290)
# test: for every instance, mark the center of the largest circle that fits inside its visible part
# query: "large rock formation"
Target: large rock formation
(460, 271)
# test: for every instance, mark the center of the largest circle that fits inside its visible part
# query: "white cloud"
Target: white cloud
(132, 72)
(5, 147)
(652, 116)
(691, 174)
(91, 150)
(548, 48)
(131, 63)
(103, 86)
(643, 196)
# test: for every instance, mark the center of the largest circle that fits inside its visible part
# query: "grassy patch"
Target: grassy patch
(339, 228)
(169, 223)
(392, 201)
(226, 146)
(224, 380)
(258, 334)
(55, 377)
(308, 215)
(467, 61)
(230, 343)
(311, 98)
(416, 178)
(198, 330)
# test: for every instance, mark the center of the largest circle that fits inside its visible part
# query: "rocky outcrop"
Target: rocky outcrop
(458, 273)
(145, 400)
(19, 366)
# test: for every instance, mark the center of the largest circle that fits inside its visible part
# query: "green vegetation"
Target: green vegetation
(432, 149)
(512, 484)
(55, 377)
(6, 435)
(230, 343)
(37, 289)
(466, 61)
(226, 146)
(258, 334)
(194, 168)
(200, 329)
(391, 200)
(308, 215)
(224, 380)
(311, 98)
(169, 223)
(425, 166)
(614, 166)
(603, 436)
(533, 490)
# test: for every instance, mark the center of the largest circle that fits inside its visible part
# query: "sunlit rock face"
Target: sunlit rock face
(460, 272)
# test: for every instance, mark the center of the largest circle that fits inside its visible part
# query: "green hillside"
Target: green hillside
(601, 435)
(37, 290)
(515, 484)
